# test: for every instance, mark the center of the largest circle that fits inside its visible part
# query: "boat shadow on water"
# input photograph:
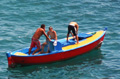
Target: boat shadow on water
(90, 58)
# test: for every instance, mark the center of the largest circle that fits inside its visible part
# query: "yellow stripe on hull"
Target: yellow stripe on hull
(20, 54)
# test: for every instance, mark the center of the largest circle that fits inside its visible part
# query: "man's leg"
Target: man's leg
(30, 50)
(37, 43)
(48, 50)
(77, 39)
(67, 36)
(31, 46)
(69, 29)
(75, 34)
(43, 45)
(35, 51)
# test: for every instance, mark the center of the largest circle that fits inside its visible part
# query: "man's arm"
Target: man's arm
(67, 37)
(77, 27)
(46, 35)
(55, 35)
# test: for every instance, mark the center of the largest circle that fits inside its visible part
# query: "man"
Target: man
(53, 35)
(74, 27)
(35, 39)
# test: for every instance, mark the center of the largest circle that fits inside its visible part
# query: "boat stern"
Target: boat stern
(10, 61)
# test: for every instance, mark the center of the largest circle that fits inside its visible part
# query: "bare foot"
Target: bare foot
(77, 42)
(38, 53)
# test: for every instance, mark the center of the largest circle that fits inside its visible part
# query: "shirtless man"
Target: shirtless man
(74, 27)
(53, 35)
(35, 39)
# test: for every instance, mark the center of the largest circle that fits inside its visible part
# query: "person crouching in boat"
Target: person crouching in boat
(53, 35)
(35, 39)
(73, 26)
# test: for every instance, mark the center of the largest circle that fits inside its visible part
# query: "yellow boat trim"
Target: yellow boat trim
(88, 40)
(20, 54)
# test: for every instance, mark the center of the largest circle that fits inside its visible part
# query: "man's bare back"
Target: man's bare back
(74, 23)
(38, 33)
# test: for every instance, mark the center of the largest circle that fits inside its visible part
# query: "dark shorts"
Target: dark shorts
(70, 27)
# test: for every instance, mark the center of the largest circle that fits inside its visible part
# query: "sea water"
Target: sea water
(19, 19)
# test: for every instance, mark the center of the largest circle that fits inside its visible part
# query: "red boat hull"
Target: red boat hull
(57, 56)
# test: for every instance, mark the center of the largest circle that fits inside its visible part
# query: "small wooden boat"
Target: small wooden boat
(63, 50)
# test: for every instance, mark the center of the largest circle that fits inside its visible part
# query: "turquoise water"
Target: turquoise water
(20, 18)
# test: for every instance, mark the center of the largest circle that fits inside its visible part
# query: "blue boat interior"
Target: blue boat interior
(60, 43)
